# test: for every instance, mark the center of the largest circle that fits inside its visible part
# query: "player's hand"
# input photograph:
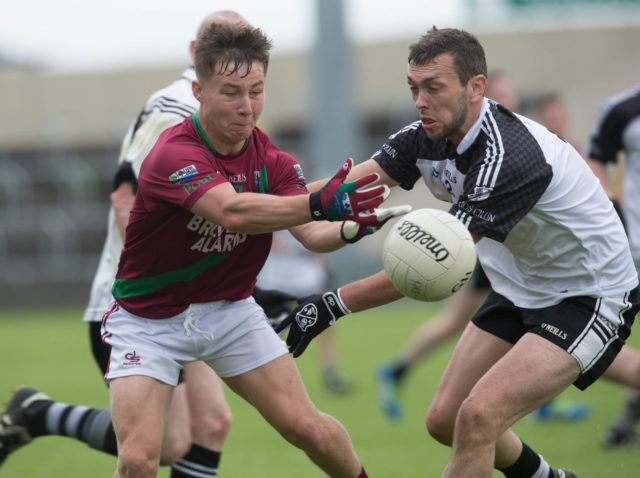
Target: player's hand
(312, 316)
(338, 201)
(352, 231)
(276, 304)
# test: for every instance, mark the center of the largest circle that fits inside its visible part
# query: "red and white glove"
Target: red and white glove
(339, 201)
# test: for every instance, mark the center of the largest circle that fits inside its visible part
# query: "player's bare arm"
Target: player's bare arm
(319, 236)
(370, 292)
(251, 213)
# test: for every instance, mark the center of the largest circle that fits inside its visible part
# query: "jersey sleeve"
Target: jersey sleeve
(606, 140)
(179, 175)
(397, 157)
(499, 192)
(288, 177)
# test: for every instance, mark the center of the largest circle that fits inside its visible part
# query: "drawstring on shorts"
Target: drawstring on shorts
(189, 326)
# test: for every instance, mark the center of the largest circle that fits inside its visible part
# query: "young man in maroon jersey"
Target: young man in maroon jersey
(210, 193)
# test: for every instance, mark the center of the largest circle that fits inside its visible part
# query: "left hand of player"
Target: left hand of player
(352, 231)
(313, 315)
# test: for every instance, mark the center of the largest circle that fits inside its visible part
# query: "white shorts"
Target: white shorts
(233, 337)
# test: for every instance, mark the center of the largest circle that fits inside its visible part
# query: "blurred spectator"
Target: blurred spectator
(617, 130)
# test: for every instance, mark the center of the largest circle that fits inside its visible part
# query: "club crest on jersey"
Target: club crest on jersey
(307, 317)
(480, 193)
(183, 175)
(298, 170)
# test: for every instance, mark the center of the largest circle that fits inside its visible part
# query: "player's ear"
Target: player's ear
(476, 87)
(197, 90)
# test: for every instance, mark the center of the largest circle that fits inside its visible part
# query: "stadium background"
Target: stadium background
(60, 133)
(59, 138)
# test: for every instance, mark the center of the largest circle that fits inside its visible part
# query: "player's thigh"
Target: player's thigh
(530, 374)
(205, 396)
(276, 390)
(625, 369)
(139, 406)
(177, 433)
(475, 353)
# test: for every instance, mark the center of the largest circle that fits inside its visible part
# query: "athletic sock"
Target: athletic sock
(363, 474)
(89, 425)
(529, 464)
(198, 462)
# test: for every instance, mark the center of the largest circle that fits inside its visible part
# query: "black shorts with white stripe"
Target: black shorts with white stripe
(591, 329)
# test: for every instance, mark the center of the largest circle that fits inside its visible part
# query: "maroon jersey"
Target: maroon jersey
(173, 258)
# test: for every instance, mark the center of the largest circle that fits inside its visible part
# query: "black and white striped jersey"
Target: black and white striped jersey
(166, 107)
(549, 230)
(617, 129)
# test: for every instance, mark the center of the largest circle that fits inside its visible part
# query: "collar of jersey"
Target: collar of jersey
(472, 134)
(203, 135)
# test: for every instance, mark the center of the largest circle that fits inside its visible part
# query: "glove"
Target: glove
(337, 201)
(352, 231)
(276, 304)
(313, 314)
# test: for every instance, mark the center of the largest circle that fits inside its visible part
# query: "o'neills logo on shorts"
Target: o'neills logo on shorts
(414, 233)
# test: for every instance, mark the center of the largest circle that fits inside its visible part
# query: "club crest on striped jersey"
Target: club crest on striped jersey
(480, 193)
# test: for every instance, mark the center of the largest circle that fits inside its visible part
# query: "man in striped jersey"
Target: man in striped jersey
(564, 289)
(617, 130)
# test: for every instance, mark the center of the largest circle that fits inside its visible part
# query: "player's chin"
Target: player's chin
(433, 134)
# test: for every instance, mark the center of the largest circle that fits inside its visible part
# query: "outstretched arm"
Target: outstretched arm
(373, 291)
(254, 213)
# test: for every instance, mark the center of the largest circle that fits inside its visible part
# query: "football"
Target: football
(428, 255)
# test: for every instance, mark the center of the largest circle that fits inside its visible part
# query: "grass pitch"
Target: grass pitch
(49, 349)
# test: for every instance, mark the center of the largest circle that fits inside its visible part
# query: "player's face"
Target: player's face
(442, 102)
(230, 106)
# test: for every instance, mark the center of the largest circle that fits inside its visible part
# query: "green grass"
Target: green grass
(49, 349)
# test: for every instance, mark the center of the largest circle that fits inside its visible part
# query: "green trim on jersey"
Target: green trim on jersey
(148, 285)
(264, 182)
(203, 135)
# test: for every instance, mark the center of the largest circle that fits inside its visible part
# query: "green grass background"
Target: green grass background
(49, 349)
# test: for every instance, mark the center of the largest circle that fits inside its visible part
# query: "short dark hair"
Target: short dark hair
(229, 47)
(467, 52)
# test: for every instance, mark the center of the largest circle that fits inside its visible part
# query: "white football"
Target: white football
(428, 255)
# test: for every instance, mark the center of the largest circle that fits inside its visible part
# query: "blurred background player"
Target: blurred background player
(550, 110)
(193, 446)
(295, 270)
(617, 129)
